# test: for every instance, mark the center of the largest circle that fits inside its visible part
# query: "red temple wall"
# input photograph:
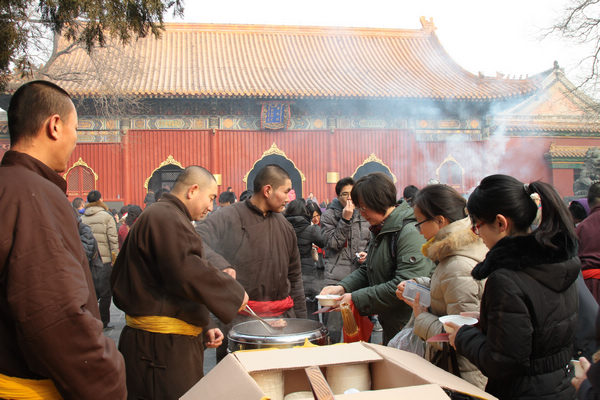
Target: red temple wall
(105, 160)
(122, 168)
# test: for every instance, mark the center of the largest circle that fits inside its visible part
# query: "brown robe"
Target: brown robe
(161, 271)
(49, 321)
(264, 252)
(262, 249)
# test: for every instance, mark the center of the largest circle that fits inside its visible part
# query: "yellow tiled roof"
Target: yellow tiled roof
(568, 151)
(533, 124)
(209, 60)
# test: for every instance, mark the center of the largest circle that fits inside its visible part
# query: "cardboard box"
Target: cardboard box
(393, 372)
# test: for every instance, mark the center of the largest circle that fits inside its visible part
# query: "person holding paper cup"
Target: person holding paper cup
(442, 219)
(393, 255)
(524, 339)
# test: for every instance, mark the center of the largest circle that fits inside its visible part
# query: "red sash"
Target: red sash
(593, 273)
(273, 308)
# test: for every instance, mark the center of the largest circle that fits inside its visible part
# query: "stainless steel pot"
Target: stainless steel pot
(253, 335)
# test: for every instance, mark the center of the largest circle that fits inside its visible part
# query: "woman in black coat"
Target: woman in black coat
(528, 318)
(297, 214)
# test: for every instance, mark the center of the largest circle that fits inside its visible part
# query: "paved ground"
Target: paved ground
(117, 320)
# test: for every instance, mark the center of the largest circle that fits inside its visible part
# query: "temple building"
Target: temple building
(322, 102)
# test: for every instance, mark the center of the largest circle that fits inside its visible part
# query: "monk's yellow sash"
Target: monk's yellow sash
(27, 389)
(166, 325)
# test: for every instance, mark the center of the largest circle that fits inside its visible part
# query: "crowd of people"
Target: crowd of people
(185, 270)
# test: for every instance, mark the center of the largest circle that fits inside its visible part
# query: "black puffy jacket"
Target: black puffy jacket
(87, 238)
(528, 319)
(308, 234)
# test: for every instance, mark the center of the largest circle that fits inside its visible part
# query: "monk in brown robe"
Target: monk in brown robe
(51, 341)
(166, 288)
(253, 241)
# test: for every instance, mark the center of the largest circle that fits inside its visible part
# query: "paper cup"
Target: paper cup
(271, 383)
(458, 320)
(328, 300)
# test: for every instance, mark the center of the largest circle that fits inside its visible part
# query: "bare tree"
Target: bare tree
(99, 67)
(86, 23)
(580, 23)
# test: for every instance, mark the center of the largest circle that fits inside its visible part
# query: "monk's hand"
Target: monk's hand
(244, 302)
(213, 338)
(230, 272)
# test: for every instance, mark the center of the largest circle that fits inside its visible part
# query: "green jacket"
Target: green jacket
(373, 285)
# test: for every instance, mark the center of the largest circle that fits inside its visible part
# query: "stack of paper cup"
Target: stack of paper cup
(299, 396)
(344, 377)
(271, 383)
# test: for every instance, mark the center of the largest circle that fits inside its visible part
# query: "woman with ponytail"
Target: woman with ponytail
(528, 318)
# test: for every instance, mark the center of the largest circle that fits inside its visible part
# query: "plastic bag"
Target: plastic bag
(408, 341)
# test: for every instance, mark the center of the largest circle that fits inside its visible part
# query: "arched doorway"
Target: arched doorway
(372, 164)
(81, 179)
(164, 176)
(451, 173)
(276, 156)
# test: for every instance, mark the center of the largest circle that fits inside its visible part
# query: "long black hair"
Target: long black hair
(311, 206)
(503, 194)
(443, 200)
(297, 207)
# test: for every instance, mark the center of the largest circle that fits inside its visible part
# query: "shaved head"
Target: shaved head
(271, 174)
(192, 175)
(31, 105)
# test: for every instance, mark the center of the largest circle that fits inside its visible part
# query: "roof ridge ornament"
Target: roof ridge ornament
(428, 25)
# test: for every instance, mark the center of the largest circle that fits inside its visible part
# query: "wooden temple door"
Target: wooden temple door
(295, 175)
(164, 178)
(81, 180)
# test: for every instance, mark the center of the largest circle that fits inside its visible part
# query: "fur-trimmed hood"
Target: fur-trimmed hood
(94, 207)
(455, 239)
(556, 269)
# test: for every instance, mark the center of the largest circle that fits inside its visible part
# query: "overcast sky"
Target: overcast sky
(481, 35)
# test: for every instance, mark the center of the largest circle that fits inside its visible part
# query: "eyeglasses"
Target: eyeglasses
(475, 228)
(345, 194)
(418, 225)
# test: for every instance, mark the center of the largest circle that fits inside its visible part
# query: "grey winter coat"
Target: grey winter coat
(104, 228)
(342, 241)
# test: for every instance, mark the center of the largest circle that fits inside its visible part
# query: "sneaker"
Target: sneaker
(108, 327)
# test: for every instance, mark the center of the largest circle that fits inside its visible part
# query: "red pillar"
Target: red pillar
(126, 192)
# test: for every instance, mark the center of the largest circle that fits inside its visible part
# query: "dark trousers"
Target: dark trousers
(160, 366)
(101, 277)
(594, 285)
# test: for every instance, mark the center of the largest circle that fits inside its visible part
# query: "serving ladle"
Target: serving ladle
(268, 326)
